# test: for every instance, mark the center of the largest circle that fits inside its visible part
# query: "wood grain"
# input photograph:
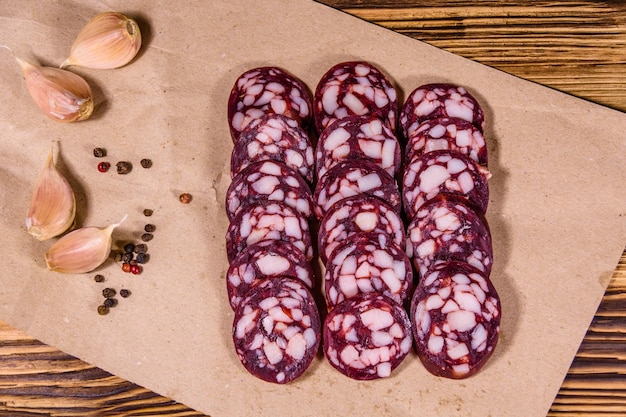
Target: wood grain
(577, 47)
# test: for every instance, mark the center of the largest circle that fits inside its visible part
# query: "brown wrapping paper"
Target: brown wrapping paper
(556, 211)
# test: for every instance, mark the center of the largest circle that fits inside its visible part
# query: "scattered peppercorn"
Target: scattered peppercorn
(141, 248)
(185, 198)
(117, 256)
(127, 257)
(147, 237)
(110, 302)
(149, 228)
(104, 166)
(141, 258)
(124, 293)
(99, 152)
(135, 269)
(124, 167)
(126, 267)
(129, 247)
(99, 278)
(102, 310)
(147, 212)
(108, 292)
(146, 163)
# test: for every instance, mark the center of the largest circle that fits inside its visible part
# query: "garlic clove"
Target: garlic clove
(53, 204)
(60, 94)
(81, 250)
(110, 40)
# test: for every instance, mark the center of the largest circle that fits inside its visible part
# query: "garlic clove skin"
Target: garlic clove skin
(53, 204)
(60, 94)
(81, 250)
(110, 40)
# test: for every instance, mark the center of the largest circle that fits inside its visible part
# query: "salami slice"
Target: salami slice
(365, 263)
(266, 181)
(271, 221)
(447, 133)
(352, 177)
(262, 260)
(360, 213)
(443, 172)
(431, 101)
(358, 137)
(266, 90)
(455, 317)
(354, 88)
(367, 337)
(445, 229)
(277, 330)
(274, 137)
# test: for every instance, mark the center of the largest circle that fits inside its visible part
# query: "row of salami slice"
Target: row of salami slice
(269, 203)
(455, 310)
(368, 275)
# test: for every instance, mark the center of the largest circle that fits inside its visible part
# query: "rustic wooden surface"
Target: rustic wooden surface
(578, 47)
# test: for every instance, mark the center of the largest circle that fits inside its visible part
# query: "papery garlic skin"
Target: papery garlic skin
(60, 94)
(81, 250)
(53, 204)
(110, 40)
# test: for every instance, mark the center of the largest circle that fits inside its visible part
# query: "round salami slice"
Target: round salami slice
(271, 221)
(277, 138)
(352, 177)
(443, 172)
(277, 330)
(266, 181)
(358, 137)
(262, 260)
(365, 263)
(354, 88)
(367, 337)
(360, 213)
(266, 90)
(455, 316)
(447, 133)
(445, 229)
(431, 101)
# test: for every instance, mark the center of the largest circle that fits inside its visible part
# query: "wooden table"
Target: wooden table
(575, 47)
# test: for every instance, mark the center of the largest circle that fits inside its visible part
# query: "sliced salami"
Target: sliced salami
(271, 221)
(431, 101)
(266, 90)
(443, 172)
(365, 263)
(266, 181)
(360, 213)
(367, 337)
(445, 229)
(447, 133)
(274, 137)
(352, 177)
(358, 137)
(277, 330)
(455, 316)
(262, 260)
(354, 88)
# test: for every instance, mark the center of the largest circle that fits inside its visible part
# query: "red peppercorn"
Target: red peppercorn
(126, 267)
(135, 269)
(104, 166)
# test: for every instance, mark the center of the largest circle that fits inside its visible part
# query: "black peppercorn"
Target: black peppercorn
(146, 163)
(141, 258)
(146, 237)
(99, 278)
(129, 247)
(108, 292)
(124, 293)
(148, 212)
(127, 257)
(141, 248)
(110, 302)
(102, 310)
(149, 228)
(124, 167)
(99, 152)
